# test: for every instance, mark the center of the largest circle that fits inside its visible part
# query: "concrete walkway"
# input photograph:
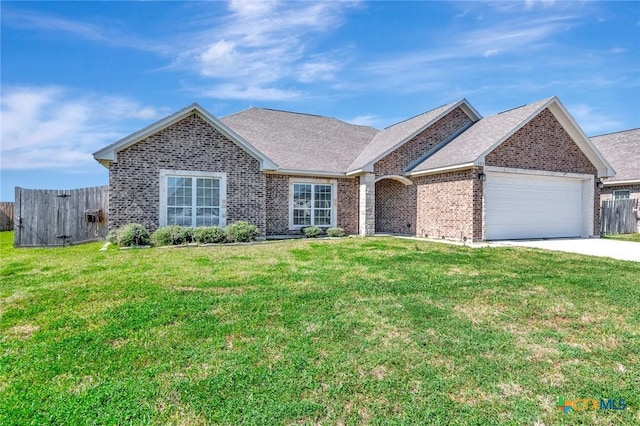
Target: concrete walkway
(622, 250)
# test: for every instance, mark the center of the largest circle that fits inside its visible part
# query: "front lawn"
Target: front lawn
(370, 331)
(624, 237)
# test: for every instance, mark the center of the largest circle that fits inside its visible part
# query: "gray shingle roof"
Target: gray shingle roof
(392, 137)
(622, 150)
(480, 137)
(302, 142)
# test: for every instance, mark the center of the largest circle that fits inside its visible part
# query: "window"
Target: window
(312, 204)
(192, 198)
(621, 195)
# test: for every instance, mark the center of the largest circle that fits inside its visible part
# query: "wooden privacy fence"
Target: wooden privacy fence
(6, 216)
(619, 217)
(59, 217)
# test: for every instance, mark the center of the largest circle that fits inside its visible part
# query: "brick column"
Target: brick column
(367, 204)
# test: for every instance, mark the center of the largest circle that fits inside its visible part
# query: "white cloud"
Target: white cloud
(364, 120)
(530, 4)
(315, 71)
(262, 44)
(593, 121)
(55, 128)
(251, 7)
(30, 20)
(253, 92)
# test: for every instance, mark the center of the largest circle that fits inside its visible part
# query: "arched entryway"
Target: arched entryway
(395, 205)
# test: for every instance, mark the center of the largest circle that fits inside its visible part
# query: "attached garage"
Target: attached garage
(537, 205)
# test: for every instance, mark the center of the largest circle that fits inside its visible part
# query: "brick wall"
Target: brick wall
(277, 204)
(191, 144)
(395, 207)
(395, 162)
(395, 202)
(450, 205)
(543, 144)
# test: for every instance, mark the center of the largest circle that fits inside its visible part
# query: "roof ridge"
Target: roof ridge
(294, 112)
(541, 101)
(422, 113)
(613, 133)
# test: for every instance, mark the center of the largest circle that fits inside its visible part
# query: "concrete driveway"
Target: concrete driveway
(623, 250)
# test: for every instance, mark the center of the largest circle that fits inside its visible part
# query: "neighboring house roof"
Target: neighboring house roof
(109, 153)
(398, 134)
(622, 150)
(302, 142)
(472, 146)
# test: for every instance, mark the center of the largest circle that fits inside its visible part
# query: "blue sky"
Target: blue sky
(76, 76)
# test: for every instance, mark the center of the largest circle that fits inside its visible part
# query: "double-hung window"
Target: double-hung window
(192, 198)
(312, 204)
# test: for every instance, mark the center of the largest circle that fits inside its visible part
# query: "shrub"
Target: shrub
(133, 234)
(172, 235)
(336, 232)
(241, 232)
(312, 231)
(209, 235)
(112, 236)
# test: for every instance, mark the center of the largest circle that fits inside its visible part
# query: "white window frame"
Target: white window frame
(314, 181)
(615, 193)
(165, 174)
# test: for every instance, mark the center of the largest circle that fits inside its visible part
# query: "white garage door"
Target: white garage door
(526, 206)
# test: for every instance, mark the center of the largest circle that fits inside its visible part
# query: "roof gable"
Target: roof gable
(393, 137)
(622, 150)
(473, 145)
(302, 142)
(109, 153)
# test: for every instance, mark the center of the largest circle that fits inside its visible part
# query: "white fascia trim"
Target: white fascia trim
(361, 171)
(109, 153)
(398, 178)
(463, 103)
(571, 127)
(470, 110)
(494, 169)
(334, 200)
(306, 173)
(445, 169)
(622, 182)
(164, 173)
(481, 158)
(581, 139)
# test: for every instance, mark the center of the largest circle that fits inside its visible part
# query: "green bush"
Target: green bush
(209, 235)
(336, 232)
(112, 236)
(241, 232)
(312, 231)
(133, 234)
(173, 235)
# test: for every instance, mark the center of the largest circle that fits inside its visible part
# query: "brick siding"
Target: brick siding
(395, 207)
(543, 144)
(395, 202)
(194, 145)
(450, 205)
(395, 162)
(277, 204)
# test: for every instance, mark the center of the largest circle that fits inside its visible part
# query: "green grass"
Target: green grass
(351, 331)
(624, 237)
